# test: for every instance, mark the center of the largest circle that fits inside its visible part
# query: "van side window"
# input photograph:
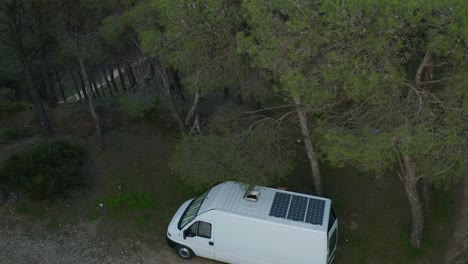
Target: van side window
(200, 228)
(192, 230)
(204, 229)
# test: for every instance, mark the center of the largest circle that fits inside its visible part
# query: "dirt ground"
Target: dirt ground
(74, 243)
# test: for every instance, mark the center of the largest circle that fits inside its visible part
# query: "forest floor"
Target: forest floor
(122, 214)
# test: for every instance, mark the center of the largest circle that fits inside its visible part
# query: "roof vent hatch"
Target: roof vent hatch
(252, 196)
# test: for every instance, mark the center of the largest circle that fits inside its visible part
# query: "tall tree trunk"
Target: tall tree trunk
(98, 93)
(83, 86)
(91, 105)
(80, 96)
(226, 92)
(177, 84)
(132, 75)
(101, 86)
(165, 78)
(60, 85)
(176, 114)
(426, 195)
(93, 89)
(193, 109)
(40, 111)
(153, 74)
(41, 88)
(122, 78)
(111, 74)
(411, 188)
(107, 80)
(51, 97)
(425, 73)
(129, 77)
(311, 155)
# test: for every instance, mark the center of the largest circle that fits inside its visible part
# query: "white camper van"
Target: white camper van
(235, 224)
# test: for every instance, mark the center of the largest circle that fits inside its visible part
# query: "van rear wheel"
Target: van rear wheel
(184, 252)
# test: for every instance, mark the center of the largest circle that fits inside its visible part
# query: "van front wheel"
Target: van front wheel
(184, 252)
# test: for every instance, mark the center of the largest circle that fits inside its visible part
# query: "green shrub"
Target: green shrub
(8, 103)
(11, 134)
(141, 101)
(45, 171)
(13, 107)
(132, 201)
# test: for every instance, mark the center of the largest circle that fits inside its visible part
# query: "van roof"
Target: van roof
(290, 208)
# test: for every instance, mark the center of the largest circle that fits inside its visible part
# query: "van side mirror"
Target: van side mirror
(185, 233)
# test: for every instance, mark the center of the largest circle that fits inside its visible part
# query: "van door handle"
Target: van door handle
(210, 243)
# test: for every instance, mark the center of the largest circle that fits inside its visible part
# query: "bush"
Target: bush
(8, 103)
(11, 134)
(140, 101)
(260, 156)
(49, 169)
(132, 201)
(7, 107)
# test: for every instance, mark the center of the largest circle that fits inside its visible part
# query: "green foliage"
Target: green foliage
(48, 170)
(11, 134)
(260, 155)
(8, 105)
(131, 201)
(388, 111)
(363, 149)
(141, 101)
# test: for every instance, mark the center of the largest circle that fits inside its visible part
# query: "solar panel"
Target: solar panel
(297, 208)
(315, 211)
(280, 205)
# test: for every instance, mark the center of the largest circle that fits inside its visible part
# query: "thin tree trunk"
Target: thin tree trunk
(101, 86)
(91, 105)
(153, 74)
(41, 88)
(80, 97)
(176, 115)
(164, 75)
(107, 81)
(60, 85)
(51, 97)
(122, 78)
(111, 74)
(98, 93)
(83, 86)
(311, 155)
(424, 74)
(93, 89)
(426, 195)
(132, 75)
(177, 84)
(226, 92)
(129, 77)
(40, 111)
(411, 182)
(193, 109)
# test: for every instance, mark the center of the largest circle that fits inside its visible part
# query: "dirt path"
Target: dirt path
(22, 242)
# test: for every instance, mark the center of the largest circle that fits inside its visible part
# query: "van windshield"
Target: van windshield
(191, 211)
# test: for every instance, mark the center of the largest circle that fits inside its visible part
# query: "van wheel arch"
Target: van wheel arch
(184, 252)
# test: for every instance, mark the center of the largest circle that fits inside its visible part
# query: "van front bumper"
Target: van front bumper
(170, 243)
